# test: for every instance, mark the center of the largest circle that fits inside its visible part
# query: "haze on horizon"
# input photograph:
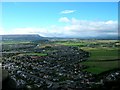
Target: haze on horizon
(60, 19)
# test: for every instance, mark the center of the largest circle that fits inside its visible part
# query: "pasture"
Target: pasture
(103, 54)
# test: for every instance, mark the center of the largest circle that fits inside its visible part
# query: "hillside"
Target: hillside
(26, 37)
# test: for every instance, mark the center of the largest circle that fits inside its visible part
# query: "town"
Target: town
(52, 65)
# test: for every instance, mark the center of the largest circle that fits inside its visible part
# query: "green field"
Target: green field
(102, 53)
(85, 42)
(101, 58)
(15, 42)
(99, 67)
(72, 44)
(69, 43)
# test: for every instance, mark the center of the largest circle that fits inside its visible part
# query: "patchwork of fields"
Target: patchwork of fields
(103, 54)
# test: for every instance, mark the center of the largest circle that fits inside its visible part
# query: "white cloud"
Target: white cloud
(73, 28)
(104, 26)
(29, 30)
(67, 11)
(84, 28)
(51, 32)
(64, 19)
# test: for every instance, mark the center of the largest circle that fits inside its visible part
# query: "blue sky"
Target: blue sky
(67, 19)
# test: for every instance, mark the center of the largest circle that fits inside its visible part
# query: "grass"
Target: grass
(72, 43)
(103, 54)
(15, 42)
(98, 61)
(95, 70)
(99, 67)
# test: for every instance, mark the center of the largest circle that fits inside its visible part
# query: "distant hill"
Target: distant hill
(36, 37)
(24, 37)
(88, 38)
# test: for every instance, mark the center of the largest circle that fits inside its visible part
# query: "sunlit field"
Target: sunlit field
(103, 54)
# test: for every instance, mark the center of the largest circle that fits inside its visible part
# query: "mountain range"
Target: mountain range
(20, 37)
(36, 37)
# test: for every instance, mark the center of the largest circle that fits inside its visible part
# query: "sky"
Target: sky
(60, 19)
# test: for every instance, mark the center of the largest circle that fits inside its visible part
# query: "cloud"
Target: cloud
(67, 11)
(51, 32)
(64, 19)
(73, 28)
(84, 28)
(28, 30)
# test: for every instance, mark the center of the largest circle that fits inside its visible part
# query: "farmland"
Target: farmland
(103, 54)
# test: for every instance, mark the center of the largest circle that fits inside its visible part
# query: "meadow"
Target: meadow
(103, 54)
(15, 42)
